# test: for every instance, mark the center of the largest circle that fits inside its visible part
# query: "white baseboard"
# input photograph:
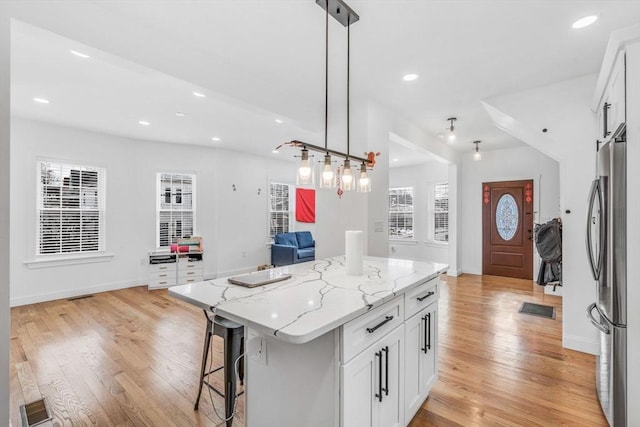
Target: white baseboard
(581, 344)
(454, 273)
(70, 293)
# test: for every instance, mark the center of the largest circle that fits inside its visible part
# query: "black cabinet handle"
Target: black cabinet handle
(424, 349)
(426, 296)
(379, 394)
(605, 109)
(386, 319)
(386, 370)
(429, 331)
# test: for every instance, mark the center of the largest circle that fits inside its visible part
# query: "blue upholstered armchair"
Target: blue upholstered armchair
(292, 248)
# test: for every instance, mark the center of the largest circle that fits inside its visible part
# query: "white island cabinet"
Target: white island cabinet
(325, 348)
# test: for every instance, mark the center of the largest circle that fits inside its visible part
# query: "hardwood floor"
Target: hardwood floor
(132, 357)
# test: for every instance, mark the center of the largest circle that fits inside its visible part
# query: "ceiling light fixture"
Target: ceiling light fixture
(342, 13)
(410, 77)
(41, 100)
(143, 123)
(215, 138)
(198, 94)
(80, 54)
(180, 114)
(584, 22)
(278, 121)
(395, 160)
(451, 131)
(477, 156)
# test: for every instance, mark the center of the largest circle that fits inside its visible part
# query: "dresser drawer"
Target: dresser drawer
(156, 268)
(162, 282)
(162, 275)
(182, 274)
(421, 296)
(365, 330)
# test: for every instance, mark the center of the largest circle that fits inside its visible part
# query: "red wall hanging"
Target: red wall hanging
(305, 205)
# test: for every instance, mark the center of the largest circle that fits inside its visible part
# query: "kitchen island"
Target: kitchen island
(325, 348)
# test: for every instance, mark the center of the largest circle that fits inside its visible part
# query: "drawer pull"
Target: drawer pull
(426, 296)
(386, 320)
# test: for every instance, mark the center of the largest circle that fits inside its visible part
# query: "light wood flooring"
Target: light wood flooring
(132, 357)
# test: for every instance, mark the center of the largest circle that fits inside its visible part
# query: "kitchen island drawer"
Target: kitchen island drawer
(421, 296)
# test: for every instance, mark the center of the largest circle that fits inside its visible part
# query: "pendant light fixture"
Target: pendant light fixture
(339, 10)
(477, 156)
(451, 131)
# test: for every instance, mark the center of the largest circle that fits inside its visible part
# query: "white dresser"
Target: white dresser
(170, 269)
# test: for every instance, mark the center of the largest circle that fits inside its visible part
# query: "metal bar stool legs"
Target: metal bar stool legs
(233, 335)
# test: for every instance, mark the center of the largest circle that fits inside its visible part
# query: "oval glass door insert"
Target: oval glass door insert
(507, 217)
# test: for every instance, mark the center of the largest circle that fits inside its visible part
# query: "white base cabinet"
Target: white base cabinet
(373, 384)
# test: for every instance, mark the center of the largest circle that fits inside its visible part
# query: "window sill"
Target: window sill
(403, 241)
(60, 261)
(435, 243)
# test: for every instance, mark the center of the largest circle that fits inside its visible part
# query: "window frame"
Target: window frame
(161, 194)
(291, 208)
(100, 208)
(433, 211)
(411, 238)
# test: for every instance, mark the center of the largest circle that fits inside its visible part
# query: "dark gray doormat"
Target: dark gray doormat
(538, 310)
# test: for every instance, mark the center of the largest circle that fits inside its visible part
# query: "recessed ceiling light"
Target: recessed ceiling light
(144, 123)
(41, 100)
(275, 151)
(410, 77)
(80, 54)
(585, 22)
(395, 160)
(180, 114)
(198, 94)
(278, 121)
(215, 138)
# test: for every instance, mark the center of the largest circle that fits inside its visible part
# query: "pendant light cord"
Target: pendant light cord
(348, 79)
(326, 75)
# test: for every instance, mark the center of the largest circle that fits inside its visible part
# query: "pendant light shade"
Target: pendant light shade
(347, 176)
(364, 183)
(477, 156)
(451, 131)
(305, 170)
(328, 178)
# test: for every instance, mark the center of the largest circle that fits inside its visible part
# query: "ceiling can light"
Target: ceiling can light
(80, 54)
(198, 94)
(584, 22)
(410, 77)
(329, 178)
(143, 122)
(477, 156)
(41, 100)
(215, 138)
(278, 121)
(180, 114)
(451, 131)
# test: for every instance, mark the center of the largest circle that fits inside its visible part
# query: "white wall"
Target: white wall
(5, 324)
(503, 165)
(233, 224)
(421, 178)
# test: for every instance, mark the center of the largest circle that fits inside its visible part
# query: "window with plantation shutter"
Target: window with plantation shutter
(279, 208)
(441, 212)
(401, 213)
(71, 206)
(176, 206)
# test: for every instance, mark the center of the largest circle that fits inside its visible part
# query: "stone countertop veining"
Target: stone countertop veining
(318, 297)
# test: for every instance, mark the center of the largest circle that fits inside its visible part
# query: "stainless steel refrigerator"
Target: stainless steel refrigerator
(607, 252)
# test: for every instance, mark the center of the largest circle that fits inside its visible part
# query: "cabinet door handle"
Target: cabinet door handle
(386, 319)
(425, 348)
(379, 357)
(386, 370)
(428, 331)
(426, 296)
(605, 109)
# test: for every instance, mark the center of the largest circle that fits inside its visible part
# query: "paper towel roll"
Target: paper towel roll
(354, 251)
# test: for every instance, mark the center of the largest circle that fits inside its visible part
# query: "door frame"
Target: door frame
(536, 211)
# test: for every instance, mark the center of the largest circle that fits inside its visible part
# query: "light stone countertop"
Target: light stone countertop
(318, 298)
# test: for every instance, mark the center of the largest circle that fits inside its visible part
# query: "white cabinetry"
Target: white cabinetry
(612, 108)
(372, 384)
(421, 345)
(170, 269)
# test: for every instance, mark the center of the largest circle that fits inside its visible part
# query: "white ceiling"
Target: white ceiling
(258, 60)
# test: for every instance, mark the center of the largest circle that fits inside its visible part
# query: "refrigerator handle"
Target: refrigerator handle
(595, 270)
(596, 323)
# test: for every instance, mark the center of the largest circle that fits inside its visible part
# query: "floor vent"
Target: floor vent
(80, 297)
(35, 413)
(538, 310)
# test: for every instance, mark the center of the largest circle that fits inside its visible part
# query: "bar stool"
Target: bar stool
(233, 335)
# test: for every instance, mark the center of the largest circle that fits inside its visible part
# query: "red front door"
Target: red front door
(507, 228)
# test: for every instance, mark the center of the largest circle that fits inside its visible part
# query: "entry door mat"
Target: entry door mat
(538, 310)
